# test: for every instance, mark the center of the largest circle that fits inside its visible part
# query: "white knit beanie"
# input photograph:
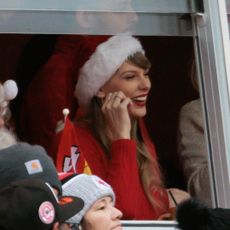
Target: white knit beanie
(102, 64)
(89, 188)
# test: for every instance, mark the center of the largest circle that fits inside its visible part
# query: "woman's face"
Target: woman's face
(134, 82)
(102, 216)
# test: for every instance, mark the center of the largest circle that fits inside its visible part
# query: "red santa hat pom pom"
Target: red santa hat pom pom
(10, 89)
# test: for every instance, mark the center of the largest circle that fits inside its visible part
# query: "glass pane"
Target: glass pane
(228, 6)
(95, 17)
(148, 6)
(168, 18)
(51, 22)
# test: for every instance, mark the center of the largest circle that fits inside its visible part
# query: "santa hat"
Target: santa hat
(102, 63)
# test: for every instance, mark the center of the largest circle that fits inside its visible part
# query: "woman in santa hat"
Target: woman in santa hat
(112, 90)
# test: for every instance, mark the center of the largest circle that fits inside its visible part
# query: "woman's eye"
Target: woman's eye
(101, 208)
(129, 77)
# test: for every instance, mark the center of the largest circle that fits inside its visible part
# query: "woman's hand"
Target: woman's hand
(176, 196)
(116, 114)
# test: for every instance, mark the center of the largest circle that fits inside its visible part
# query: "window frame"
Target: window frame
(212, 50)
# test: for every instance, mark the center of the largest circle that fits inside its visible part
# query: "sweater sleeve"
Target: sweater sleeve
(123, 175)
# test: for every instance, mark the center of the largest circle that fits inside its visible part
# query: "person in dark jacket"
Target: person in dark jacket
(194, 215)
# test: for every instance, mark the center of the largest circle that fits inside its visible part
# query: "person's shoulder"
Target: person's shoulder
(192, 107)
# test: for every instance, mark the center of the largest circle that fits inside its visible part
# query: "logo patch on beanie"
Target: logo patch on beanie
(33, 166)
(46, 212)
(100, 183)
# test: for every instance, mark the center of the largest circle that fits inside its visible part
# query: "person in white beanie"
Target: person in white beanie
(98, 212)
(112, 91)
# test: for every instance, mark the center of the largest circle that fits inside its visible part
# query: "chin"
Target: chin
(138, 113)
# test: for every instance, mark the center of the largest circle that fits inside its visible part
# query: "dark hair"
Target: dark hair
(192, 214)
(140, 60)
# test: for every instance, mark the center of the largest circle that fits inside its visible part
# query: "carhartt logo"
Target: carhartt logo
(33, 166)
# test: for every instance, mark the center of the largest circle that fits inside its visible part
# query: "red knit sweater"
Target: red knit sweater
(121, 172)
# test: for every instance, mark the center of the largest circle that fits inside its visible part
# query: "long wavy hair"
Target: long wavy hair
(148, 166)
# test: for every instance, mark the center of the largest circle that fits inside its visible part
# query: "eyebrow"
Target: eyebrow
(146, 71)
(104, 200)
(129, 71)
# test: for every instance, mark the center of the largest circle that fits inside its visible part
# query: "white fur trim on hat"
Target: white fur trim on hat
(89, 188)
(102, 64)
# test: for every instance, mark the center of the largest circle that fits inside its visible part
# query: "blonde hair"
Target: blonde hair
(148, 166)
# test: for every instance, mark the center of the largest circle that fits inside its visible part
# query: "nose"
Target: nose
(145, 83)
(116, 213)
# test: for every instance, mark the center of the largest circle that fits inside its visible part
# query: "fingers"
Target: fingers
(115, 99)
(116, 114)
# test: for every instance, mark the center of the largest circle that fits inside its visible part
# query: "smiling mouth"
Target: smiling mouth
(140, 101)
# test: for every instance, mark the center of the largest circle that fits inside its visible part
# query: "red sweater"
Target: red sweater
(121, 172)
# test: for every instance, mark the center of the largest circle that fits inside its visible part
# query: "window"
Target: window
(172, 31)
